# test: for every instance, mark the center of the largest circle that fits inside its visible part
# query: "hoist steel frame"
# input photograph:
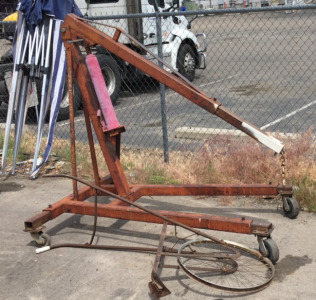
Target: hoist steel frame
(75, 33)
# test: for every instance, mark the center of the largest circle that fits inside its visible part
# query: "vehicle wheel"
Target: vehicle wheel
(272, 248)
(4, 90)
(111, 74)
(4, 93)
(63, 113)
(41, 238)
(292, 209)
(186, 62)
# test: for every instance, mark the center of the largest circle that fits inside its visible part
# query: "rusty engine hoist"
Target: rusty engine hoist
(79, 36)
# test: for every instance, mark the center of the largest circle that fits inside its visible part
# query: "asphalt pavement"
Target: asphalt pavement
(70, 273)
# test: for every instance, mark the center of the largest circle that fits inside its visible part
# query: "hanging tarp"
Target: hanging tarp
(34, 10)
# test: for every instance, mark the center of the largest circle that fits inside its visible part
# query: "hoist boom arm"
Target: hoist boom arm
(75, 28)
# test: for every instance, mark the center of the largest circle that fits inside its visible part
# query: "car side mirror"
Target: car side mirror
(176, 3)
(159, 3)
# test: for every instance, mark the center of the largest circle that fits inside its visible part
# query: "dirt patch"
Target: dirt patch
(10, 187)
(289, 264)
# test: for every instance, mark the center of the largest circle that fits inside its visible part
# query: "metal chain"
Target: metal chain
(283, 166)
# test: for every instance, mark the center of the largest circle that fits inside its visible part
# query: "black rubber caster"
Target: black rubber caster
(41, 238)
(271, 250)
(291, 207)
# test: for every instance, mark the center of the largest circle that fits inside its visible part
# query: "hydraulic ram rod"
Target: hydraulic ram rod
(75, 28)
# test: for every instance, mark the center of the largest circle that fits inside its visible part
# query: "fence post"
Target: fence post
(162, 94)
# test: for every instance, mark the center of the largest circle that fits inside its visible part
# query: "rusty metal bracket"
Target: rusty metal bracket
(156, 286)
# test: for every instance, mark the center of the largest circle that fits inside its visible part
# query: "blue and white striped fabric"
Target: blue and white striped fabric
(35, 12)
(48, 15)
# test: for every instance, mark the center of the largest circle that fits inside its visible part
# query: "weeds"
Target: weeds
(156, 175)
(23, 153)
(305, 192)
(224, 160)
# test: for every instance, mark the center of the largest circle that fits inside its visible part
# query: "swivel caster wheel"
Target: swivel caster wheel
(291, 207)
(269, 249)
(41, 238)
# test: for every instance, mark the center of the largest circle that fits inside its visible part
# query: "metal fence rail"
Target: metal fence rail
(260, 63)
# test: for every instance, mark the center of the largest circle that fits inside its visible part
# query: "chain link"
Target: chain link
(283, 166)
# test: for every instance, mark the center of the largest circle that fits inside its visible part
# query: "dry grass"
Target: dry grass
(238, 160)
(224, 160)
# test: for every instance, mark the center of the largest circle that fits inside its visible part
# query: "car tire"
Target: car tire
(186, 62)
(63, 113)
(111, 73)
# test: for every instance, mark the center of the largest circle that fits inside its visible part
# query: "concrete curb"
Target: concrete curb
(202, 133)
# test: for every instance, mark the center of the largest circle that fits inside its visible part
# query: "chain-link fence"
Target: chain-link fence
(259, 63)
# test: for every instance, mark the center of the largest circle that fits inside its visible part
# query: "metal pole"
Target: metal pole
(162, 93)
(43, 96)
(21, 101)
(12, 99)
(72, 121)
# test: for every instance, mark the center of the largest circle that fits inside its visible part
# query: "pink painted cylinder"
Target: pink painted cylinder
(101, 90)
